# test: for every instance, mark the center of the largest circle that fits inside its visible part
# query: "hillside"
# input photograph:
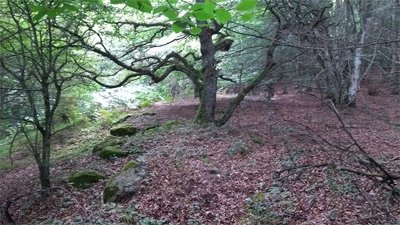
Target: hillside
(229, 174)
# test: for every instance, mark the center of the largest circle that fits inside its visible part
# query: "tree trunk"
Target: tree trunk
(208, 100)
(355, 76)
(43, 162)
(269, 65)
(394, 71)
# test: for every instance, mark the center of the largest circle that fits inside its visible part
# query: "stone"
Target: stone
(85, 179)
(123, 183)
(124, 129)
(112, 151)
(108, 141)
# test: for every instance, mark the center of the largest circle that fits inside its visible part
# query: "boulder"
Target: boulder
(124, 129)
(149, 114)
(85, 179)
(108, 141)
(112, 151)
(122, 184)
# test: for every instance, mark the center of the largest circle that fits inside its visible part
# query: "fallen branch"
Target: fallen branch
(387, 177)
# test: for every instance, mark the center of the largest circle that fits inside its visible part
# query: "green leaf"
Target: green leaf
(170, 14)
(202, 15)
(172, 1)
(223, 15)
(51, 13)
(247, 17)
(57, 11)
(100, 2)
(196, 6)
(246, 5)
(117, 1)
(208, 6)
(190, 23)
(178, 26)
(203, 25)
(132, 3)
(195, 31)
(39, 15)
(37, 8)
(145, 6)
(160, 9)
(71, 7)
(185, 7)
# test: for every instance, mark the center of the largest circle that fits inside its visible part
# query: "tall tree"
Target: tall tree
(36, 58)
(203, 18)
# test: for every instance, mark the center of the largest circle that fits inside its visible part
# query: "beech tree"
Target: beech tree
(202, 19)
(35, 62)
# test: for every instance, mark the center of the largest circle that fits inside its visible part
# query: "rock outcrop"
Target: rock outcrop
(124, 129)
(123, 183)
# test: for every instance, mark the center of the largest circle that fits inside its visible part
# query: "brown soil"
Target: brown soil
(210, 175)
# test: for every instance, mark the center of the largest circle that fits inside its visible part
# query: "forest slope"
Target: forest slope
(225, 175)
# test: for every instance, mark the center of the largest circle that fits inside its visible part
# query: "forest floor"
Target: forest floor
(230, 174)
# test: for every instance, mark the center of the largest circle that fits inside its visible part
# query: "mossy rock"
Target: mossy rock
(168, 124)
(112, 151)
(149, 114)
(109, 141)
(150, 131)
(124, 129)
(85, 179)
(110, 191)
(153, 126)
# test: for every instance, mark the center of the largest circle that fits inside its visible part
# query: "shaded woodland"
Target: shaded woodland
(235, 112)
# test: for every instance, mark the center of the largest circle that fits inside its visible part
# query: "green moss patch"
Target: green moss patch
(149, 114)
(109, 193)
(124, 129)
(112, 151)
(257, 140)
(109, 141)
(85, 179)
(168, 124)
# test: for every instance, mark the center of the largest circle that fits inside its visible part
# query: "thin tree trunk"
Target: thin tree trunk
(355, 76)
(269, 65)
(44, 165)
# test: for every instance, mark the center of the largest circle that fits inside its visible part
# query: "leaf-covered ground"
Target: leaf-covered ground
(228, 174)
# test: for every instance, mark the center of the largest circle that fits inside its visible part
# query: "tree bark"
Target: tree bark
(355, 75)
(208, 100)
(44, 165)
